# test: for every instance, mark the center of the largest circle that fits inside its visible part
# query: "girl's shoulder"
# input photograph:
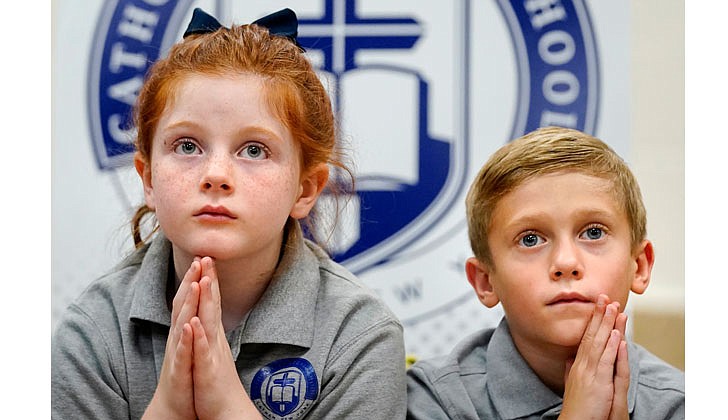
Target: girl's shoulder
(114, 294)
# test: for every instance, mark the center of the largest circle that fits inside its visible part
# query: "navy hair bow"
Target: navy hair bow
(282, 23)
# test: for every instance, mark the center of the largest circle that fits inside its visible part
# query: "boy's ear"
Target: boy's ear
(479, 277)
(644, 259)
(312, 184)
(144, 170)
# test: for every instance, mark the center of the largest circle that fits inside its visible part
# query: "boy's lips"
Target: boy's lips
(569, 297)
(216, 212)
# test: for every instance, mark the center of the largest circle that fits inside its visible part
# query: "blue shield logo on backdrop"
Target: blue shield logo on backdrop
(408, 175)
(401, 84)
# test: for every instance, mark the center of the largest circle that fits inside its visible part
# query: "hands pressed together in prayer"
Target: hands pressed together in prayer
(597, 380)
(199, 379)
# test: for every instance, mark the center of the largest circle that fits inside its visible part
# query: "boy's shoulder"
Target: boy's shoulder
(657, 389)
(452, 386)
(655, 372)
(467, 358)
(439, 387)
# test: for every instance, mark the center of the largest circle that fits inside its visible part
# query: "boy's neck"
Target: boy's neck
(547, 361)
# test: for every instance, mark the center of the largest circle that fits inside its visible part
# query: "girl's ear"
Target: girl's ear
(644, 260)
(144, 170)
(312, 184)
(479, 277)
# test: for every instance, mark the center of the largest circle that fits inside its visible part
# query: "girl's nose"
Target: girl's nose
(217, 175)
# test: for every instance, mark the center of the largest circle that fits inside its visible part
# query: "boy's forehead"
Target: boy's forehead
(597, 182)
(557, 189)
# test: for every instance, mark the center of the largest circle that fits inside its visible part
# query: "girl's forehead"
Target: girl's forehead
(201, 81)
(205, 90)
(233, 101)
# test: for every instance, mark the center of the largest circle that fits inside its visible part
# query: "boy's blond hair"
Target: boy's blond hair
(544, 151)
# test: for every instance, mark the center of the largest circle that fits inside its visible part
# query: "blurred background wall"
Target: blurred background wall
(658, 145)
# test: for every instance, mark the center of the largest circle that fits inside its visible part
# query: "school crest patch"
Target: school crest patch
(285, 389)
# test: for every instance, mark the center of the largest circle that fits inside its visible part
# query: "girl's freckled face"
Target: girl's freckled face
(225, 172)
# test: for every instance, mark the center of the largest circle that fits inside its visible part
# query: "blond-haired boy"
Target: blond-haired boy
(557, 227)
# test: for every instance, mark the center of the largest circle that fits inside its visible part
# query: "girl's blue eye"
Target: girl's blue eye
(593, 233)
(186, 148)
(530, 240)
(254, 151)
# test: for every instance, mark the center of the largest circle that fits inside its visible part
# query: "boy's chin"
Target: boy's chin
(570, 332)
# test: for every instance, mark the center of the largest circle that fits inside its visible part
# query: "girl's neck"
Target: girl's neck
(241, 282)
(241, 289)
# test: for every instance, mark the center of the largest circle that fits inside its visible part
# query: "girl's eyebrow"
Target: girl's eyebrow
(181, 124)
(243, 131)
(267, 133)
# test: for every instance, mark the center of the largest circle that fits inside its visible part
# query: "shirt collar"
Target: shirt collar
(149, 301)
(285, 313)
(510, 378)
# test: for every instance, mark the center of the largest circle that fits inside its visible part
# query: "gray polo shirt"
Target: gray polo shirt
(485, 377)
(318, 344)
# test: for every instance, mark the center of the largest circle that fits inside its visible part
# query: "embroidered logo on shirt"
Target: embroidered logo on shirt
(285, 388)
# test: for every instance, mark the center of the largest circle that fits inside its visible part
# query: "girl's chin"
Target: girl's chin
(217, 253)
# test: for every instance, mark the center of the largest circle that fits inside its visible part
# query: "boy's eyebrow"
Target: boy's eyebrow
(596, 213)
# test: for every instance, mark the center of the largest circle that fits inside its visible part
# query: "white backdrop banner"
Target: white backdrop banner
(425, 91)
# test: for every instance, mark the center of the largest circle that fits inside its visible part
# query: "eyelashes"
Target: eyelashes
(254, 151)
(532, 238)
(251, 150)
(186, 147)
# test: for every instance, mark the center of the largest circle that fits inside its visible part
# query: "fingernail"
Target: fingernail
(601, 300)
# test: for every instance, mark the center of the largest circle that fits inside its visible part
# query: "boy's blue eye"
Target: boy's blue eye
(530, 240)
(594, 233)
(186, 148)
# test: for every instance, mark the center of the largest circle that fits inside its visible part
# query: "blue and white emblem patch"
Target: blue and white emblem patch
(285, 388)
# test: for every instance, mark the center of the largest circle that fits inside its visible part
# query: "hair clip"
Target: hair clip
(281, 23)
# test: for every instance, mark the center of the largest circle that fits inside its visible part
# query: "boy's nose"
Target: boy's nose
(566, 262)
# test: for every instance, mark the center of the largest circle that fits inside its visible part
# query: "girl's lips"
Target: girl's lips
(215, 213)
